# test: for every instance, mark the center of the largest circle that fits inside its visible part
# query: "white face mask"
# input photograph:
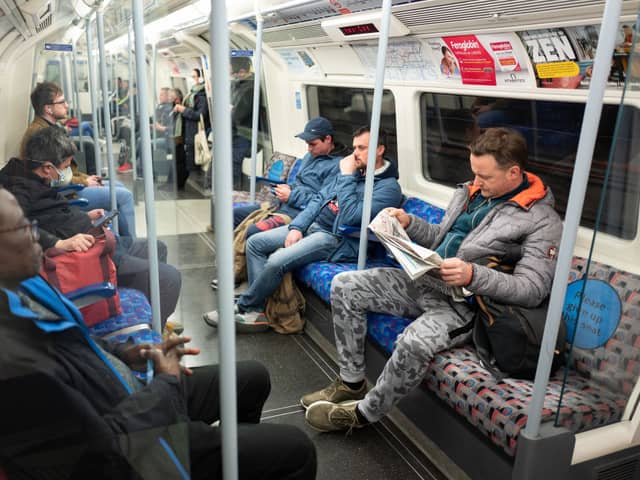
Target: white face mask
(64, 177)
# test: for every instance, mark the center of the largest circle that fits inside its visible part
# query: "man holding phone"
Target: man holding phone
(65, 226)
(318, 166)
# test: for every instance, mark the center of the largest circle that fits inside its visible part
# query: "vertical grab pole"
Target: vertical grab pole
(588, 133)
(154, 76)
(106, 112)
(219, 41)
(132, 114)
(150, 212)
(76, 95)
(94, 98)
(257, 70)
(375, 126)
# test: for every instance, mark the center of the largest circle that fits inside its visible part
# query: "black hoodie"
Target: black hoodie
(56, 218)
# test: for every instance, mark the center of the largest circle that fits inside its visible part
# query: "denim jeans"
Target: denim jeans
(99, 197)
(268, 261)
(240, 213)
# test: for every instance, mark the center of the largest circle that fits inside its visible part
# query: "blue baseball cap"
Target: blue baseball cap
(318, 127)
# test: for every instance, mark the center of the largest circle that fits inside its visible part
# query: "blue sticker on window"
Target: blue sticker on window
(298, 101)
(599, 313)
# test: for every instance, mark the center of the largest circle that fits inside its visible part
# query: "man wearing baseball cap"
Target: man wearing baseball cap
(317, 168)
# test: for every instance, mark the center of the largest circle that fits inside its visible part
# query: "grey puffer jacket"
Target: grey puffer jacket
(525, 227)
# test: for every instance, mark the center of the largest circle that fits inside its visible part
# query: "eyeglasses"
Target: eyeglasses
(32, 226)
(59, 102)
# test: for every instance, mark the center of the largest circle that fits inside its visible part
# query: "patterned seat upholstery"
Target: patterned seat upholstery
(599, 381)
(135, 311)
(318, 275)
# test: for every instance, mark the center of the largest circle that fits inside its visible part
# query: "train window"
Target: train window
(53, 72)
(552, 130)
(350, 108)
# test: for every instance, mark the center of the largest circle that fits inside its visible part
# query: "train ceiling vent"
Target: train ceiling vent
(444, 17)
(308, 33)
(37, 14)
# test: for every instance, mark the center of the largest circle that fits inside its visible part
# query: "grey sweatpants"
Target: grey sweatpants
(391, 291)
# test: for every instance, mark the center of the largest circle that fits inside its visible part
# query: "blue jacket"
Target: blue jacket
(61, 389)
(349, 191)
(314, 173)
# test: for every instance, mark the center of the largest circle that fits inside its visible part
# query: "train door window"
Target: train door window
(552, 130)
(242, 80)
(53, 71)
(350, 108)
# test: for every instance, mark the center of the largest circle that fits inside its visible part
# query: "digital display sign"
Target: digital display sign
(358, 29)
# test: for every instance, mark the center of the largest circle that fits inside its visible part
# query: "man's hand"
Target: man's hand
(403, 218)
(456, 272)
(294, 236)
(166, 357)
(94, 181)
(80, 242)
(348, 165)
(96, 214)
(282, 192)
(133, 358)
(179, 108)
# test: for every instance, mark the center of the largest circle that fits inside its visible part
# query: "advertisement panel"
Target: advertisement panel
(495, 59)
(563, 57)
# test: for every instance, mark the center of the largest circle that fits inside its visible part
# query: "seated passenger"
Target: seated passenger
(66, 227)
(318, 166)
(76, 410)
(502, 210)
(313, 235)
(50, 107)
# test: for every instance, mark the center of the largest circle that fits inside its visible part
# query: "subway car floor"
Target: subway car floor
(296, 364)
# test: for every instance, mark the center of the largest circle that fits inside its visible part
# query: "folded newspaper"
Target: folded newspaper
(415, 259)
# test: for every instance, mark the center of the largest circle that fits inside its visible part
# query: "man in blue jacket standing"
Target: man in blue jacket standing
(313, 234)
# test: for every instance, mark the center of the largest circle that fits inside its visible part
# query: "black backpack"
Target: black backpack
(508, 337)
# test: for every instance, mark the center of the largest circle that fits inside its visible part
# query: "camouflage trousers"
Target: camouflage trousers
(391, 291)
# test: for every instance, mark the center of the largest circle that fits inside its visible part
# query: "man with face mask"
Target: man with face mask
(50, 107)
(48, 155)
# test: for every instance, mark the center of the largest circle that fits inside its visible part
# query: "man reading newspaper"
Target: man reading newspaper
(504, 211)
(415, 259)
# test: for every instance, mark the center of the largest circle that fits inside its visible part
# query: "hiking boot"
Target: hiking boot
(125, 168)
(337, 392)
(328, 417)
(173, 326)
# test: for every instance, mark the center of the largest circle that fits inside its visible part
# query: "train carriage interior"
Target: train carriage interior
(528, 65)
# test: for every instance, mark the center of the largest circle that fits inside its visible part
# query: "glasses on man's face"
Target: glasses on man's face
(59, 102)
(31, 226)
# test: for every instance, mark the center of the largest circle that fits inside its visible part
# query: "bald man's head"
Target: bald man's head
(20, 253)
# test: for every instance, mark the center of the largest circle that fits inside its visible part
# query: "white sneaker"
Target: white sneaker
(251, 322)
(237, 291)
(211, 318)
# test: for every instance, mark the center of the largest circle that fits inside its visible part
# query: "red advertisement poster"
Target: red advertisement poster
(475, 64)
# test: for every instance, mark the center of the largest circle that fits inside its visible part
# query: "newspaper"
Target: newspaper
(415, 259)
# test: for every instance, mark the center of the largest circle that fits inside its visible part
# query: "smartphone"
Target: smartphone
(108, 216)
